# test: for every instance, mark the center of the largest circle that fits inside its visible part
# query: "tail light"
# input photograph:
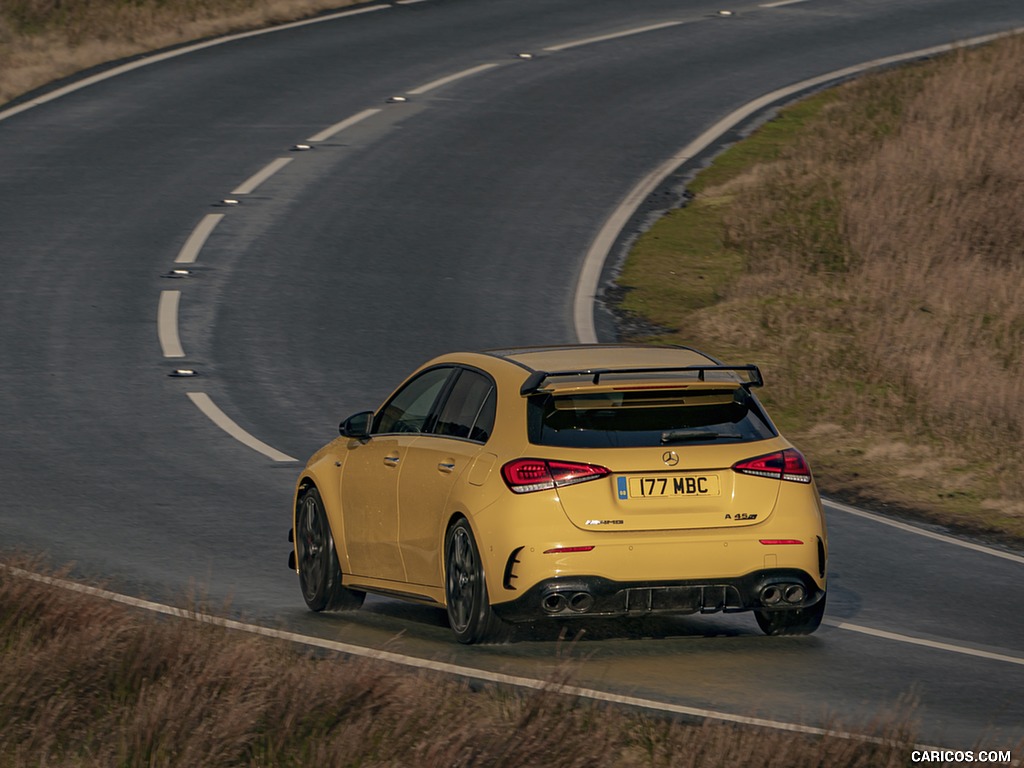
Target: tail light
(783, 465)
(529, 475)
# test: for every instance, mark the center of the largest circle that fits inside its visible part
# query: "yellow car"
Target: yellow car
(567, 482)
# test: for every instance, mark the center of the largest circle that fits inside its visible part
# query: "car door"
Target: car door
(372, 471)
(435, 466)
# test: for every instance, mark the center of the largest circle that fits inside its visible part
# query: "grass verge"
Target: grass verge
(865, 248)
(46, 40)
(86, 682)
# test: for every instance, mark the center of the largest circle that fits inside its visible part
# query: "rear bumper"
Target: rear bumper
(586, 596)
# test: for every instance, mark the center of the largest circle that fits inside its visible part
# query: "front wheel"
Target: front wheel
(801, 621)
(319, 572)
(469, 611)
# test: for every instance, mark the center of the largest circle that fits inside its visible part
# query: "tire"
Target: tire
(469, 612)
(319, 572)
(801, 621)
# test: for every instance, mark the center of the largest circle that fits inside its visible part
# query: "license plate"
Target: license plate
(662, 486)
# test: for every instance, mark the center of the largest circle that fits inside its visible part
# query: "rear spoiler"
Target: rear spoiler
(748, 375)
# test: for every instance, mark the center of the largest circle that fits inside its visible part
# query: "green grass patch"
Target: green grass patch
(682, 265)
(767, 144)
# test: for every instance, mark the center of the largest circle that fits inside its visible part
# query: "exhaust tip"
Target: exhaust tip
(771, 595)
(794, 593)
(581, 602)
(554, 603)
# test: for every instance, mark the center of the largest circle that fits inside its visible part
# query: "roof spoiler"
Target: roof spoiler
(533, 383)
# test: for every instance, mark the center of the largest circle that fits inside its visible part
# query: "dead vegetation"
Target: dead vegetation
(46, 40)
(86, 682)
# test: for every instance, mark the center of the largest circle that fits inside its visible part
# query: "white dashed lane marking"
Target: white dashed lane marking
(612, 36)
(249, 186)
(190, 251)
(450, 79)
(167, 324)
(348, 122)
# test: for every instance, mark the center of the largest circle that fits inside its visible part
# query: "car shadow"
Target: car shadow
(427, 619)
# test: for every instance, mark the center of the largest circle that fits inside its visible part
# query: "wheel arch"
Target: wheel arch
(487, 557)
(301, 486)
(453, 517)
(318, 477)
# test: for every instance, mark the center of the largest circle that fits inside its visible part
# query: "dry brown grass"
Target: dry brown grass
(45, 40)
(881, 285)
(85, 682)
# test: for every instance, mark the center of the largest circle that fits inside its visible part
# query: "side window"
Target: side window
(469, 410)
(410, 407)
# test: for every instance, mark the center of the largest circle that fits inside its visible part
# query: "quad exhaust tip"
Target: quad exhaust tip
(554, 603)
(774, 594)
(794, 594)
(581, 602)
(562, 602)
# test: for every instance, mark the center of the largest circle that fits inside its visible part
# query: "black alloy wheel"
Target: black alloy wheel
(319, 572)
(469, 611)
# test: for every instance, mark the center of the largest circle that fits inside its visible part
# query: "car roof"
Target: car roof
(601, 355)
(609, 356)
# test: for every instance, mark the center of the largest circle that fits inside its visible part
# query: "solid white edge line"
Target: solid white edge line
(443, 667)
(167, 324)
(450, 79)
(839, 506)
(217, 416)
(611, 36)
(594, 261)
(781, 3)
(256, 179)
(933, 644)
(120, 70)
(190, 250)
(348, 122)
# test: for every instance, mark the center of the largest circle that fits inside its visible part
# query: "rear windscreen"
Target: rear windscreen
(646, 418)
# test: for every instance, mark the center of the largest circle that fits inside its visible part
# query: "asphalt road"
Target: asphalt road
(457, 219)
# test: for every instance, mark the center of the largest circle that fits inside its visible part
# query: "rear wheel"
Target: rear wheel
(469, 611)
(319, 572)
(801, 621)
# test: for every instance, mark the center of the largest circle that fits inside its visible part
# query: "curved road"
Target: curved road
(458, 218)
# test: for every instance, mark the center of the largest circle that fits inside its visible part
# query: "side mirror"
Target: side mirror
(357, 425)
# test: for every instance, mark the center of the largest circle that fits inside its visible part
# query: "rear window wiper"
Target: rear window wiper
(682, 435)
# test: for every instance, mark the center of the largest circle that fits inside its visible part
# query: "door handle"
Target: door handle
(392, 461)
(446, 466)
